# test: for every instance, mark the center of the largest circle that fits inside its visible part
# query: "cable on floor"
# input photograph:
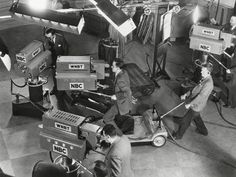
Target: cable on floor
(173, 141)
(200, 154)
(220, 125)
(219, 109)
(20, 86)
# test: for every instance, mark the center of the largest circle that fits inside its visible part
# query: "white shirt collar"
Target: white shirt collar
(233, 27)
(117, 72)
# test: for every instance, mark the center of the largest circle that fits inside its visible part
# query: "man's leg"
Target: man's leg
(125, 123)
(54, 89)
(109, 117)
(201, 128)
(184, 124)
(110, 114)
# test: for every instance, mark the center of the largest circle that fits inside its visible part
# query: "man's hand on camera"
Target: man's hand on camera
(183, 97)
(102, 86)
(113, 97)
(187, 106)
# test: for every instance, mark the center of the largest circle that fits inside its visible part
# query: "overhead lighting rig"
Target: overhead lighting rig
(116, 17)
(69, 22)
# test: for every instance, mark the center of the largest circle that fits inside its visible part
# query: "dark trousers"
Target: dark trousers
(109, 117)
(186, 121)
(54, 66)
(123, 123)
(54, 79)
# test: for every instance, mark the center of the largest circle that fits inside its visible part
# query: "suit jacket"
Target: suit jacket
(123, 92)
(118, 159)
(58, 48)
(230, 62)
(201, 93)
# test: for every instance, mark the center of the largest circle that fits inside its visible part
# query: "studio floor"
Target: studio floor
(199, 156)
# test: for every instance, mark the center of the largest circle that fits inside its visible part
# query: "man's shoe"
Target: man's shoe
(177, 117)
(53, 92)
(204, 133)
(91, 119)
(175, 137)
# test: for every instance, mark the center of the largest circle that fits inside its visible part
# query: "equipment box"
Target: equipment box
(63, 121)
(207, 45)
(76, 81)
(38, 64)
(62, 143)
(30, 51)
(73, 64)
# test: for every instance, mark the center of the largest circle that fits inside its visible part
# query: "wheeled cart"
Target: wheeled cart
(148, 128)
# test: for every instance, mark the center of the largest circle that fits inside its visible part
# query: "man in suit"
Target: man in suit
(229, 60)
(198, 100)
(58, 46)
(122, 96)
(119, 154)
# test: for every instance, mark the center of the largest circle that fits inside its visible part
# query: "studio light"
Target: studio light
(38, 5)
(196, 14)
(116, 17)
(47, 14)
(25, 12)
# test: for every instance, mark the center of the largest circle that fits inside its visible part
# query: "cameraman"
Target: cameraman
(197, 100)
(122, 95)
(118, 157)
(57, 44)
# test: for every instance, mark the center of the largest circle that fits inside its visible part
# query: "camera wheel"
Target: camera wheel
(159, 141)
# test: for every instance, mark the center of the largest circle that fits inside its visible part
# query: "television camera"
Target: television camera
(32, 61)
(211, 39)
(66, 135)
(218, 45)
(69, 137)
(79, 78)
(73, 73)
(76, 73)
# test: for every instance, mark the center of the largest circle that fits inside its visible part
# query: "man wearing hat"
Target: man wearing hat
(196, 102)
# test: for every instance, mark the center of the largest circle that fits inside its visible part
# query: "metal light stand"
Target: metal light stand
(155, 61)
